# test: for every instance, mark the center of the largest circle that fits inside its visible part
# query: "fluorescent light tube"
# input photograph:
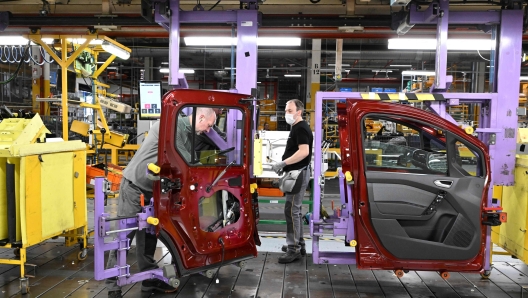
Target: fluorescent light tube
(418, 72)
(381, 70)
(19, 41)
(332, 70)
(400, 65)
(82, 40)
(292, 75)
(430, 44)
(523, 78)
(181, 70)
(228, 41)
(115, 50)
(344, 64)
(279, 41)
(209, 41)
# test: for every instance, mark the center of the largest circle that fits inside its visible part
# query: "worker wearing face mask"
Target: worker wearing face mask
(297, 156)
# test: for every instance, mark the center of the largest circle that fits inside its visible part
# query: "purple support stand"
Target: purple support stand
(345, 225)
(217, 139)
(121, 244)
(498, 119)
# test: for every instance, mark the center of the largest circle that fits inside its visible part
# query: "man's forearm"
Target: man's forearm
(296, 157)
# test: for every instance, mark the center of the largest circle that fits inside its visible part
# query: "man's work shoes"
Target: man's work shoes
(114, 294)
(289, 257)
(303, 250)
(157, 285)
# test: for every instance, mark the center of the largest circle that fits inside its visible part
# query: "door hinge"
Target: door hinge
(167, 184)
(493, 216)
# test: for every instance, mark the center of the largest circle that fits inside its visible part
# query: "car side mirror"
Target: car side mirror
(435, 162)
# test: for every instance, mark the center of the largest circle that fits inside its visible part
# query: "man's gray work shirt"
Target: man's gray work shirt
(183, 137)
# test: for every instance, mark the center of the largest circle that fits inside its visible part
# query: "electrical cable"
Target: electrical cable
(136, 137)
(14, 52)
(44, 56)
(8, 57)
(215, 5)
(481, 56)
(29, 58)
(34, 61)
(2, 55)
(17, 69)
(221, 241)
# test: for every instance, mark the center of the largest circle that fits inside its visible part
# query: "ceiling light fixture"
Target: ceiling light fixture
(20, 41)
(523, 78)
(181, 70)
(82, 40)
(344, 64)
(332, 70)
(381, 70)
(418, 73)
(400, 65)
(430, 44)
(228, 41)
(292, 75)
(115, 50)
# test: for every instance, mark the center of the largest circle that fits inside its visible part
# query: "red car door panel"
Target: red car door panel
(205, 208)
(420, 188)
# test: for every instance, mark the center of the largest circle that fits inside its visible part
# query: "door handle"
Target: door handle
(443, 183)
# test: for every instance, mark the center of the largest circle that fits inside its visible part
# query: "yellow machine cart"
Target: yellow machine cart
(512, 235)
(42, 190)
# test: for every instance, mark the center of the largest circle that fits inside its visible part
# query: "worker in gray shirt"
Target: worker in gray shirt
(135, 182)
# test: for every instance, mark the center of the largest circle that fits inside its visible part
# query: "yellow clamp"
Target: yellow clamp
(469, 130)
(152, 220)
(253, 187)
(349, 177)
(353, 243)
(153, 168)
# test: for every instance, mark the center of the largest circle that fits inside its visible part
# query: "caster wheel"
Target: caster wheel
(445, 275)
(485, 274)
(399, 273)
(17, 252)
(24, 286)
(83, 254)
(174, 282)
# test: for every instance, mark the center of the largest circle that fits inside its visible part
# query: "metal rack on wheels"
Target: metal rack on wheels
(42, 190)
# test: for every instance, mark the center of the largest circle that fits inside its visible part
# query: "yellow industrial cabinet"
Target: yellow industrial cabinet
(42, 190)
(512, 235)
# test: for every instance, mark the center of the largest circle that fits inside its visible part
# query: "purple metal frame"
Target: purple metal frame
(246, 64)
(247, 31)
(497, 127)
(121, 244)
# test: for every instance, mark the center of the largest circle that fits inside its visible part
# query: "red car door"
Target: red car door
(420, 188)
(203, 199)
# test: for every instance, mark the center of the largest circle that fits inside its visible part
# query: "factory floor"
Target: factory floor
(58, 273)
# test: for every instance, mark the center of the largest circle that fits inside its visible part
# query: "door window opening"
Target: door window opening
(217, 138)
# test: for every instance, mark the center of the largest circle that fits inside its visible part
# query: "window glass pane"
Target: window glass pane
(218, 211)
(468, 160)
(392, 145)
(218, 135)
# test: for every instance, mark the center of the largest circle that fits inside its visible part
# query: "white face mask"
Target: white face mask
(289, 119)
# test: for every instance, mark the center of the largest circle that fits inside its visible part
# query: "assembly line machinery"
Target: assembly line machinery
(496, 135)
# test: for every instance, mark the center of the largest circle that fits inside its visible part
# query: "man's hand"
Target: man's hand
(278, 167)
